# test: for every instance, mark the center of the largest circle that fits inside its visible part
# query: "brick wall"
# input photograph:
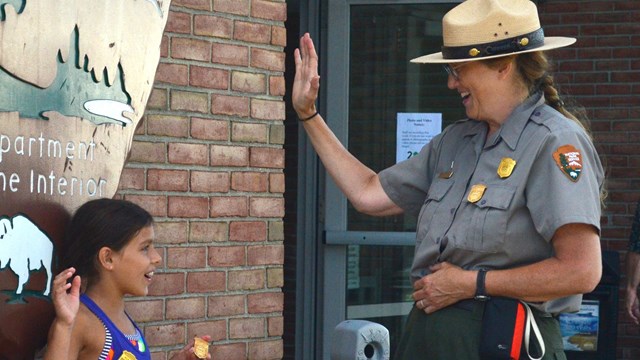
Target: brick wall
(602, 72)
(208, 162)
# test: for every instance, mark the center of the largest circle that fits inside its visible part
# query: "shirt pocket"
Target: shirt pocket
(432, 204)
(487, 227)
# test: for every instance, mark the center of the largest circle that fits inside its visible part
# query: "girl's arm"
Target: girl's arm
(66, 301)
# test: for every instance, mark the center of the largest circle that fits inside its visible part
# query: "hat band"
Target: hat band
(528, 41)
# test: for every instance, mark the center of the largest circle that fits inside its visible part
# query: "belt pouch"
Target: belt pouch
(503, 324)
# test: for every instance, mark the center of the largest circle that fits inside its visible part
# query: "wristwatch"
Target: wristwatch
(481, 293)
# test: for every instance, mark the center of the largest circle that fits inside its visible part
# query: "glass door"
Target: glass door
(370, 81)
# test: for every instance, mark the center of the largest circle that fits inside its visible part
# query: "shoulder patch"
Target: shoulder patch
(569, 160)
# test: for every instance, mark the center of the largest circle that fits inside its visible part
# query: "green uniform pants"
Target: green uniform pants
(454, 333)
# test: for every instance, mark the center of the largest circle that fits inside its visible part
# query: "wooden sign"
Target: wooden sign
(75, 77)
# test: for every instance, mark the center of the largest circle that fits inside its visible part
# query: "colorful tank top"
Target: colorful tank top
(118, 346)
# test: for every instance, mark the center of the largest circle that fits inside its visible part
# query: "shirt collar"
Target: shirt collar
(513, 127)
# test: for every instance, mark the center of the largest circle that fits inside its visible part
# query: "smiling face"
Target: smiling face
(488, 93)
(135, 264)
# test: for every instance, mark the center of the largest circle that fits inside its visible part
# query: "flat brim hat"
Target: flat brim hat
(485, 29)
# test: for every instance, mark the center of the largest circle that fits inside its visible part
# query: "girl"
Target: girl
(109, 243)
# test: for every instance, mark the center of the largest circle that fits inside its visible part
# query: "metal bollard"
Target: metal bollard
(360, 340)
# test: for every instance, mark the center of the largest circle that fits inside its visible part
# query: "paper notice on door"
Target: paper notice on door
(414, 131)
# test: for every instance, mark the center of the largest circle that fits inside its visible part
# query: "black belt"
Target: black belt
(466, 304)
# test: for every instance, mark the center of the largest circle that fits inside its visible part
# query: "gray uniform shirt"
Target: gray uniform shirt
(556, 180)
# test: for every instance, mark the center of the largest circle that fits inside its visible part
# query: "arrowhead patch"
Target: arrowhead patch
(569, 160)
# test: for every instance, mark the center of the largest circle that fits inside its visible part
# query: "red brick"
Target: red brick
(248, 231)
(267, 59)
(165, 284)
(279, 36)
(267, 157)
(201, 232)
(131, 179)
(158, 99)
(226, 305)
(266, 207)
(188, 154)
(276, 183)
(277, 86)
(248, 82)
(178, 22)
(248, 132)
(188, 207)
(145, 310)
(190, 49)
(186, 257)
(265, 255)
(265, 350)
(237, 7)
(192, 4)
(207, 281)
(249, 181)
(189, 101)
(229, 155)
(209, 78)
(229, 206)
(214, 26)
(207, 181)
(265, 303)
(275, 277)
(176, 74)
(168, 125)
(226, 256)
(229, 351)
(148, 152)
(208, 129)
(230, 54)
(156, 205)
(229, 105)
(267, 109)
(246, 328)
(269, 10)
(171, 232)
(167, 180)
(164, 47)
(163, 335)
(252, 32)
(189, 308)
(217, 329)
(275, 326)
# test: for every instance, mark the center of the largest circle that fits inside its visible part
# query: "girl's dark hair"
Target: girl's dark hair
(99, 223)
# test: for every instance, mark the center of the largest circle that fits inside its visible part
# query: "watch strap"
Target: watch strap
(481, 293)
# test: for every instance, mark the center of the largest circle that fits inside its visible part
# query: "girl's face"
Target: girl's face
(136, 263)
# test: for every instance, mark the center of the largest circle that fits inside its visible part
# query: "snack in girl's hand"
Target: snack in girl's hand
(200, 348)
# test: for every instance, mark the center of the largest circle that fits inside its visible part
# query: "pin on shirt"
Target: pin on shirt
(476, 193)
(506, 167)
(447, 174)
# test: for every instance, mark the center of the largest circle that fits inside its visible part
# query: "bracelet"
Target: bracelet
(310, 117)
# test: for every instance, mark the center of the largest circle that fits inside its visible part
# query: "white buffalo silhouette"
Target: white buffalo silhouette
(24, 248)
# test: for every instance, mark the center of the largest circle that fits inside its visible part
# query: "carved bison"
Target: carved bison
(24, 248)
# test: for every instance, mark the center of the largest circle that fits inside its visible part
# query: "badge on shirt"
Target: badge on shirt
(127, 356)
(476, 193)
(569, 160)
(506, 167)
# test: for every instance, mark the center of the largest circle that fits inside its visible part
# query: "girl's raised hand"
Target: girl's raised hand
(66, 296)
